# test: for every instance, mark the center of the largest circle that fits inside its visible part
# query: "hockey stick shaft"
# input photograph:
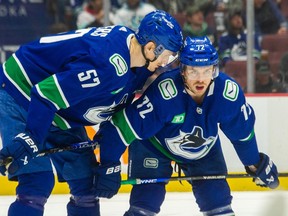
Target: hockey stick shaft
(139, 181)
(74, 146)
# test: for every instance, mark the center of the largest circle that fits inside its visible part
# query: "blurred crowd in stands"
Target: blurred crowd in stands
(223, 21)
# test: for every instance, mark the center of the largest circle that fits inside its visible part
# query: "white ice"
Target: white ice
(265, 203)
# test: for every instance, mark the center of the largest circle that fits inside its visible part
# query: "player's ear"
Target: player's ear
(149, 48)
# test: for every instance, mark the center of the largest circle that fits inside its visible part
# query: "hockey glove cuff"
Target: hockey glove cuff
(266, 174)
(107, 180)
(21, 151)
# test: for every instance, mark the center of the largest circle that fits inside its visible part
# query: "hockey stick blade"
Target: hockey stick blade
(74, 146)
(139, 181)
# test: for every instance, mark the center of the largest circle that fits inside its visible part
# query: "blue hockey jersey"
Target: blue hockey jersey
(234, 47)
(73, 79)
(179, 127)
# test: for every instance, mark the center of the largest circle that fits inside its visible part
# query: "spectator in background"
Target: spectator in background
(268, 18)
(283, 71)
(174, 6)
(195, 25)
(63, 13)
(115, 4)
(219, 5)
(131, 13)
(91, 15)
(218, 9)
(58, 28)
(278, 3)
(265, 82)
(162, 5)
(232, 44)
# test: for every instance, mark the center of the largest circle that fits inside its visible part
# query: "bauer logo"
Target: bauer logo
(119, 64)
(167, 89)
(231, 90)
(150, 163)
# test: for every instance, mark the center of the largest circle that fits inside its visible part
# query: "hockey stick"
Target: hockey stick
(74, 146)
(139, 181)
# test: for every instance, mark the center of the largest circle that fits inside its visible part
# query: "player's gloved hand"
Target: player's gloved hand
(21, 151)
(2, 164)
(107, 180)
(266, 174)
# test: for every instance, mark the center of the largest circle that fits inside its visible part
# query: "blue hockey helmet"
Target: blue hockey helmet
(199, 52)
(161, 28)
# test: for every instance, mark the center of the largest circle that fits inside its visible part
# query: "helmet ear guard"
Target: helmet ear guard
(199, 52)
(161, 28)
(158, 50)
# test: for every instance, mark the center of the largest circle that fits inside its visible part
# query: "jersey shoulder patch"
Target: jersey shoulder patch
(119, 64)
(231, 90)
(167, 88)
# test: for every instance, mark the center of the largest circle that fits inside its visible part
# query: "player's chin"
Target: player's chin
(152, 69)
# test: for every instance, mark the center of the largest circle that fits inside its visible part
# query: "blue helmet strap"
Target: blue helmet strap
(183, 68)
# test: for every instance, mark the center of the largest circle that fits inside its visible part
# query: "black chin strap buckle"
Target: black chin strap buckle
(147, 64)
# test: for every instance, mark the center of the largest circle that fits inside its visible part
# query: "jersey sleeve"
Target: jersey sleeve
(140, 120)
(237, 123)
(83, 80)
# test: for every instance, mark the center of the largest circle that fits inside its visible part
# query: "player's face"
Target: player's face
(198, 78)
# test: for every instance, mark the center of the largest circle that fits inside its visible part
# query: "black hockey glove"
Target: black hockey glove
(107, 180)
(3, 168)
(21, 151)
(266, 174)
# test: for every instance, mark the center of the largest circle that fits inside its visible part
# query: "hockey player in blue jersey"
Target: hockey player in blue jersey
(176, 119)
(51, 88)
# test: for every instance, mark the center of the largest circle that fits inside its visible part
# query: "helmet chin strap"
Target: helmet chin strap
(186, 85)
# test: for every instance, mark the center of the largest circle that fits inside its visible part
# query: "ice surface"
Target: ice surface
(265, 203)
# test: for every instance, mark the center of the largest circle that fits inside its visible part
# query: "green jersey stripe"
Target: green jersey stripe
(60, 91)
(61, 122)
(158, 146)
(249, 137)
(49, 89)
(17, 75)
(123, 127)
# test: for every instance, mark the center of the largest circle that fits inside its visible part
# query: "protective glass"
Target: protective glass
(167, 57)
